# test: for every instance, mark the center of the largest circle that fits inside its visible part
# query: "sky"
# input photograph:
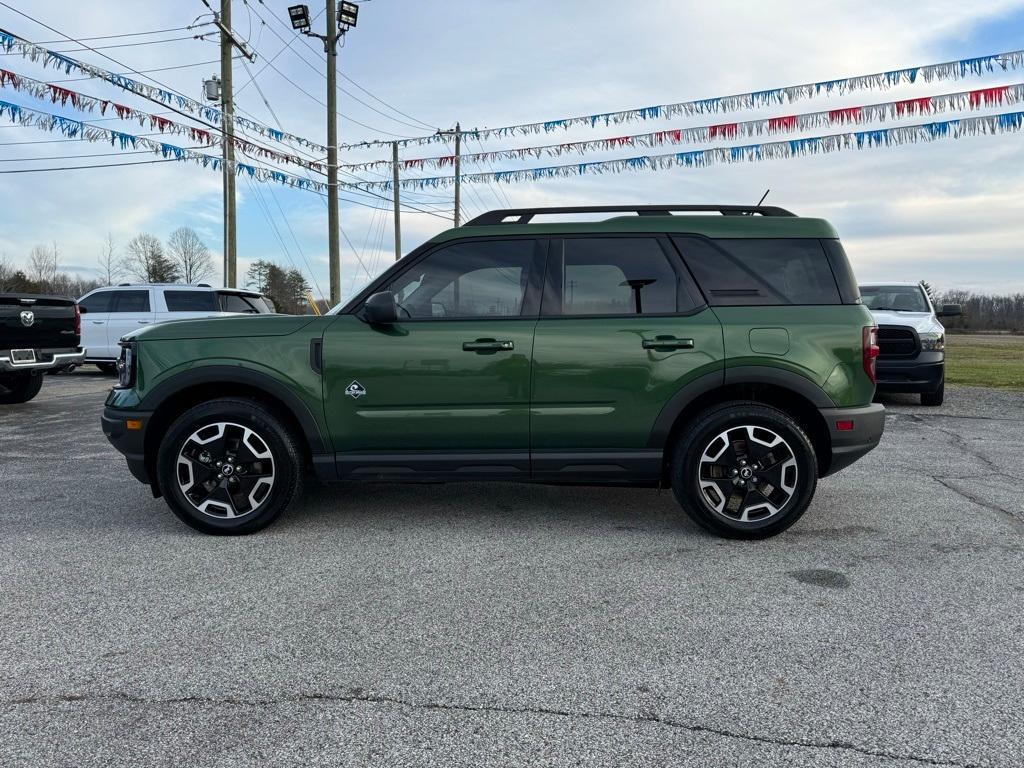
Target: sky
(949, 212)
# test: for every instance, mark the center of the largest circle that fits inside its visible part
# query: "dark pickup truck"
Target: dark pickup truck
(37, 334)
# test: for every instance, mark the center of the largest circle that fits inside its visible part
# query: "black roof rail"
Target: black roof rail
(524, 215)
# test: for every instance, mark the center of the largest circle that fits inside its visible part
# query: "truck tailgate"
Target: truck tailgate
(48, 324)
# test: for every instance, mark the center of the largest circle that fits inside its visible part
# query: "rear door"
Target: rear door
(95, 309)
(447, 387)
(622, 329)
(131, 309)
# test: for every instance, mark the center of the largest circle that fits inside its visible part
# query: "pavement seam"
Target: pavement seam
(1009, 513)
(359, 697)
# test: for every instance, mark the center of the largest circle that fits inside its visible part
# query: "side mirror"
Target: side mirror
(380, 309)
(82, 310)
(950, 310)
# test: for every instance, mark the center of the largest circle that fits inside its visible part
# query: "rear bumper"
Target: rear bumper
(45, 359)
(909, 376)
(130, 442)
(848, 445)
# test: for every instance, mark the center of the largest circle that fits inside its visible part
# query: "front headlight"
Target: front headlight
(933, 341)
(126, 365)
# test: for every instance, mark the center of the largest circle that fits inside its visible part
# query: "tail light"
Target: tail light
(78, 321)
(869, 345)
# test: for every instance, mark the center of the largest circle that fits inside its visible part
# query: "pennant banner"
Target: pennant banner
(880, 81)
(48, 59)
(64, 96)
(964, 100)
(1011, 122)
(76, 129)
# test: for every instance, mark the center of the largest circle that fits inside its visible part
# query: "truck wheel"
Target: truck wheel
(229, 467)
(19, 387)
(744, 470)
(936, 397)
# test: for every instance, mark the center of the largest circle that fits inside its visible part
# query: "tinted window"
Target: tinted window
(616, 276)
(735, 272)
(487, 278)
(248, 305)
(130, 301)
(98, 302)
(898, 298)
(190, 301)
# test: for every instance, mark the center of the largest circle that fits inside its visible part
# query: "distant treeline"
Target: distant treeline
(984, 312)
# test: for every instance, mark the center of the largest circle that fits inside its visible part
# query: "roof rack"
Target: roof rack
(524, 215)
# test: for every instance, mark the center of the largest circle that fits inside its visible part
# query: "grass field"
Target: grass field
(985, 361)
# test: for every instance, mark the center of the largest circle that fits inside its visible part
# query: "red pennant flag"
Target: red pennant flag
(914, 106)
(723, 131)
(845, 115)
(988, 96)
(787, 123)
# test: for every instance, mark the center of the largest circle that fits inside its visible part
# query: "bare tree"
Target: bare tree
(109, 263)
(147, 261)
(190, 255)
(42, 263)
(6, 273)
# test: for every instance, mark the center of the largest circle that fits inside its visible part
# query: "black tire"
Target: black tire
(19, 387)
(726, 428)
(107, 368)
(285, 466)
(935, 398)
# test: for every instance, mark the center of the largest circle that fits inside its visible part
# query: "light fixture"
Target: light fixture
(348, 14)
(299, 15)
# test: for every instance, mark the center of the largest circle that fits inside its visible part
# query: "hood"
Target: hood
(228, 326)
(919, 321)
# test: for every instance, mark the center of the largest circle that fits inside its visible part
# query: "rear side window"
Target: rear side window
(130, 301)
(190, 301)
(247, 305)
(614, 276)
(743, 272)
(98, 302)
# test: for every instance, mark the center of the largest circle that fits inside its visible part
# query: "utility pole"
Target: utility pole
(222, 89)
(457, 132)
(398, 210)
(336, 29)
(227, 111)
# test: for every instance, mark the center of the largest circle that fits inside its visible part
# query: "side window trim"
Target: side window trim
(680, 242)
(530, 307)
(551, 302)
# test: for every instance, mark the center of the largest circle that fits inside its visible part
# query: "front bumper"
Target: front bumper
(909, 375)
(866, 426)
(130, 442)
(45, 360)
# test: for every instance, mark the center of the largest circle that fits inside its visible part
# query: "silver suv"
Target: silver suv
(109, 313)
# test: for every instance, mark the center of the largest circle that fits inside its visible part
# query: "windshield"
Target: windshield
(894, 298)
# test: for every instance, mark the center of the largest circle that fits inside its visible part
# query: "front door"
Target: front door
(446, 389)
(95, 316)
(622, 329)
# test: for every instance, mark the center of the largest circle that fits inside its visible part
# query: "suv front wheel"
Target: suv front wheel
(229, 467)
(744, 470)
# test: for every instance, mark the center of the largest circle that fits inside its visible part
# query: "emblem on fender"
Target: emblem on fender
(355, 390)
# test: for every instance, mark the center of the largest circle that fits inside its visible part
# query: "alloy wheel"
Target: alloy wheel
(747, 474)
(225, 470)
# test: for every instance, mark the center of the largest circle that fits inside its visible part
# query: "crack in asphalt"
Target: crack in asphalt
(359, 696)
(943, 481)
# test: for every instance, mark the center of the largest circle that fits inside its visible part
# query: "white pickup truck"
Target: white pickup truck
(911, 340)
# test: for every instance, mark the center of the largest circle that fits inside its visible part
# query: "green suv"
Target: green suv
(724, 353)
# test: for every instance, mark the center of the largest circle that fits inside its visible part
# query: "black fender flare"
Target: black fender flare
(745, 374)
(233, 374)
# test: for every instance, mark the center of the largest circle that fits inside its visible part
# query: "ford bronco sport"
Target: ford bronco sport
(724, 353)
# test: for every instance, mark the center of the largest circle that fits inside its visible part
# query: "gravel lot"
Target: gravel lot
(515, 625)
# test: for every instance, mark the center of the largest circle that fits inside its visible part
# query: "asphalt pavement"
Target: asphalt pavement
(472, 625)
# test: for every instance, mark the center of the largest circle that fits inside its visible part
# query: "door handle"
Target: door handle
(667, 342)
(97, 322)
(142, 322)
(488, 345)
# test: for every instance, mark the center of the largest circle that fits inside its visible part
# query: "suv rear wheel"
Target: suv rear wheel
(744, 470)
(229, 467)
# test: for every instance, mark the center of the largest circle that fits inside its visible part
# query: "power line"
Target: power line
(119, 45)
(90, 167)
(145, 71)
(130, 34)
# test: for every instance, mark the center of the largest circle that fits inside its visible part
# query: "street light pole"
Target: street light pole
(341, 17)
(333, 245)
